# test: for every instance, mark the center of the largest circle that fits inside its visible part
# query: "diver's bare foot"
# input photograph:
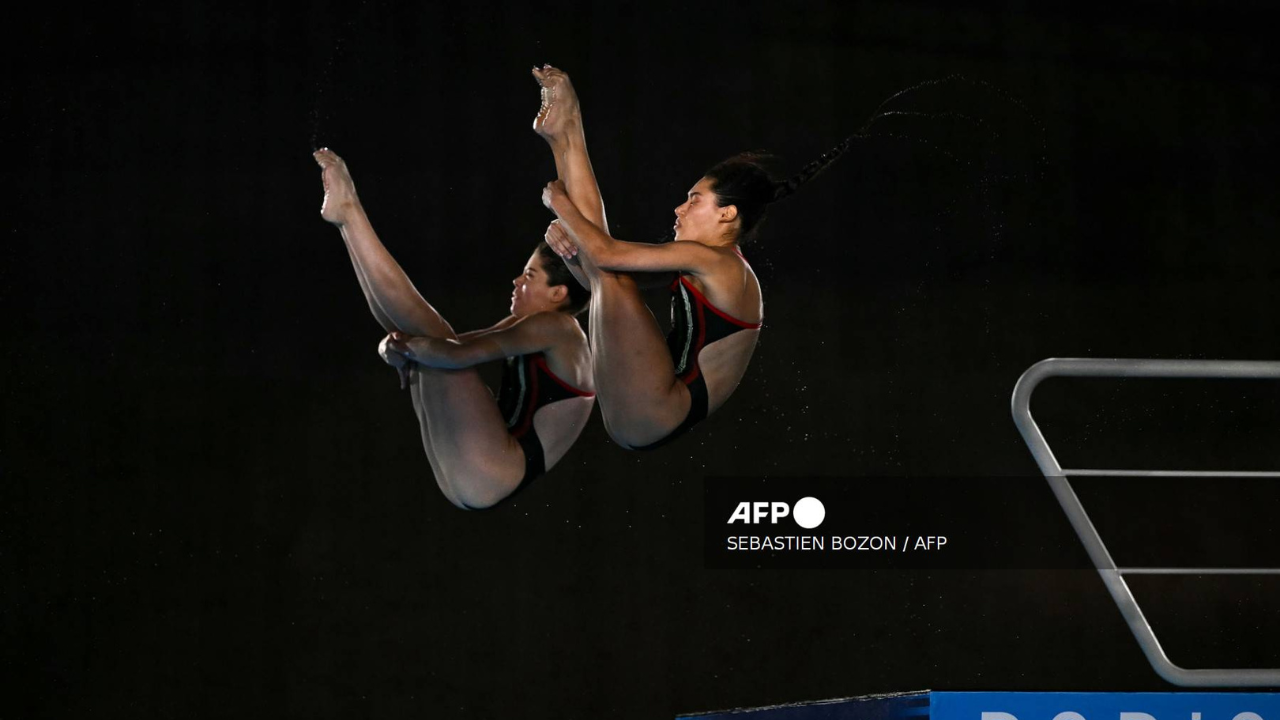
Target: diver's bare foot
(560, 111)
(339, 191)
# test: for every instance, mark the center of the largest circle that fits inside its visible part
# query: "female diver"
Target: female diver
(480, 450)
(653, 390)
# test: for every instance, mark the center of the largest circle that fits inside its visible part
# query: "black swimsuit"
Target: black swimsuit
(695, 324)
(528, 385)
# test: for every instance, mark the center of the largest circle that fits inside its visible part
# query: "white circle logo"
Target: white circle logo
(809, 513)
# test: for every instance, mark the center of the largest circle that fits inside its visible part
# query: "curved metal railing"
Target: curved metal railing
(1113, 576)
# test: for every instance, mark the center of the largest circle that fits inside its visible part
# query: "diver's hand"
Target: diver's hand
(389, 350)
(558, 238)
(554, 192)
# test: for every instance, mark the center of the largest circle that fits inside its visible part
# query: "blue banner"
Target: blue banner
(1103, 706)
(1022, 706)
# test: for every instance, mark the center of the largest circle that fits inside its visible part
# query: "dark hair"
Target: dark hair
(558, 274)
(744, 182)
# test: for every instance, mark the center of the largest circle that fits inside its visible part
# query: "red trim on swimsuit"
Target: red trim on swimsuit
(684, 348)
(532, 400)
(540, 360)
(703, 302)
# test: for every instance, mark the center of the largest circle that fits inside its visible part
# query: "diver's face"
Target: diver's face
(698, 218)
(532, 294)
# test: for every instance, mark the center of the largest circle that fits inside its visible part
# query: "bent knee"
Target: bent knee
(632, 436)
(480, 490)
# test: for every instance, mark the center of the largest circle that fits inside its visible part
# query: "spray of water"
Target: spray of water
(326, 84)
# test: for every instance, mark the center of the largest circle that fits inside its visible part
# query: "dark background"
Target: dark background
(214, 497)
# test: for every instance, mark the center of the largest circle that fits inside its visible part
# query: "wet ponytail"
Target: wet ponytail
(743, 181)
(785, 188)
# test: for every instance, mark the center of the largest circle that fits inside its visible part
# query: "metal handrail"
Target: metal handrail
(1112, 576)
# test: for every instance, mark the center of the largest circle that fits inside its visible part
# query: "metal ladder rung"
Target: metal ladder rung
(1198, 571)
(1173, 473)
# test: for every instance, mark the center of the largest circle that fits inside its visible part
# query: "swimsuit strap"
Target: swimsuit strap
(702, 299)
(540, 360)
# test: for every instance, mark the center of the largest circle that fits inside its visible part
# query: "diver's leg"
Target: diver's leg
(559, 122)
(392, 298)
(476, 461)
(640, 397)
(425, 430)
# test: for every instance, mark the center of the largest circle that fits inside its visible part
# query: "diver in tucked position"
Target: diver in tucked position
(480, 450)
(653, 390)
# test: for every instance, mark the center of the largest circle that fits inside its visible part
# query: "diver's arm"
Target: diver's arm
(502, 324)
(536, 333)
(615, 255)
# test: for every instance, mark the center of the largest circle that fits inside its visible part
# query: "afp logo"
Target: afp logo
(808, 512)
